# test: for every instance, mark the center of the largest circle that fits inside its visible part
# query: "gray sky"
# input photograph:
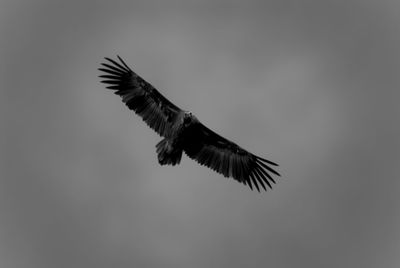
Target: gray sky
(312, 85)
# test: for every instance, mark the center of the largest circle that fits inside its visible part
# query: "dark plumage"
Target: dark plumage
(183, 132)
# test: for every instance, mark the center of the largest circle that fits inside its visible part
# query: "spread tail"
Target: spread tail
(168, 155)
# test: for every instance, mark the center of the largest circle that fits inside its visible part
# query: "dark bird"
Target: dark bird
(183, 132)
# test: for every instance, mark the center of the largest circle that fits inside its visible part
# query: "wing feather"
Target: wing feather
(140, 96)
(225, 157)
(260, 180)
(259, 176)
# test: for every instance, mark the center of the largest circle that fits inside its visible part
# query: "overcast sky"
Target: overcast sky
(312, 85)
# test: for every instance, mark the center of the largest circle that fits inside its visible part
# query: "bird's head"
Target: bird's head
(188, 118)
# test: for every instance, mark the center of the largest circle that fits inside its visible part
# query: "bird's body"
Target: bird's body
(183, 132)
(170, 149)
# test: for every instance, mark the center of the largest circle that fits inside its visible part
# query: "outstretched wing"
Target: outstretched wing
(225, 157)
(141, 97)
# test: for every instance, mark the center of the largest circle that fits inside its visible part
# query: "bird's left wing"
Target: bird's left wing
(156, 110)
(225, 157)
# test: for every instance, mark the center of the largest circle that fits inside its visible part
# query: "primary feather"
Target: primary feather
(183, 132)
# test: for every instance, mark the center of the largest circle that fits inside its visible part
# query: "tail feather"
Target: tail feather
(168, 155)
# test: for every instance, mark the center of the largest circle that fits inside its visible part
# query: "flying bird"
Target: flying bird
(183, 132)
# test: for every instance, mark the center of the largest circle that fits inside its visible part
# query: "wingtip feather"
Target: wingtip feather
(123, 62)
(267, 161)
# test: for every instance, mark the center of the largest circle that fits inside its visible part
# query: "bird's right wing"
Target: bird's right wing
(156, 110)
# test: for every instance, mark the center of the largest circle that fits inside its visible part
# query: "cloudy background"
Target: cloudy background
(313, 85)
